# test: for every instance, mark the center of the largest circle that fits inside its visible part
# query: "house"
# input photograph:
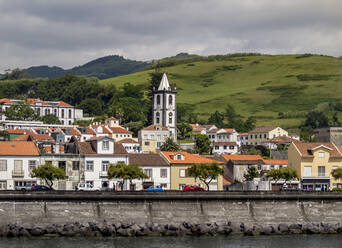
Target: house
(276, 164)
(237, 166)
(242, 139)
(225, 148)
(261, 134)
(329, 134)
(151, 138)
(202, 129)
(179, 163)
(223, 135)
(314, 163)
(17, 159)
(86, 133)
(278, 142)
(97, 154)
(131, 145)
(112, 122)
(294, 136)
(120, 133)
(155, 167)
(66, 113)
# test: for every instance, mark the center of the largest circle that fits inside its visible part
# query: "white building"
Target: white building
(17, 159)
(223, 135)
(64, 111)
(151, 138)
(154, 166)
(225, 148)
(131, 145)
(242, 139)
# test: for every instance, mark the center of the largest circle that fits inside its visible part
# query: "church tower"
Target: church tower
(164, 107)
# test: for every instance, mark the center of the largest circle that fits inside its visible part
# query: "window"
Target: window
(62, 113)
(70, 115)
(158, 99)
(217, 147)
(321, 154)
(307, 171)
(231, 147)
(179, 157)
(75, 165)
(90, 165)
(321, 171)
(256, 136)
(259, 167)
(148, 172)
(3, 165)
(251, 136)
(163, 173)
(38, 111)
(158, 144)
(260, 136)
(31, 164)
(224, 147)
(170, 118)
(46, 112)
(152, 136)
(265, 136)
(147, 143)
(157, 117)
(158, 137)
(105, 145)
(105, 165)
(182, 173)
(170, 100)
(55, 111)
(3, 185)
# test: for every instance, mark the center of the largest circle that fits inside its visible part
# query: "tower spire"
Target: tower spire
(164, 83)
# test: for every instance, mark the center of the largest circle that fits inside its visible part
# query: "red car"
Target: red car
(193, 188)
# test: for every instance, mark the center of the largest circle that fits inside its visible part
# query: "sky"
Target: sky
(69, 33)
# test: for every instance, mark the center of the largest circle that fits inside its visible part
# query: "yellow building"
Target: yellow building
(180, 162)
(262, 134)
(151, 138)
(314, 163)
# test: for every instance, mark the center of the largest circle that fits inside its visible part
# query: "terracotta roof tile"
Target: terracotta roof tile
(147, 159)
(188, 158)
(225, 144)
(243, 134)
(155, 127)
(226, 181)
(276, 161)
(18, 148)
(6, 100)
(63, 104)
(130, 141)
(243, 158)
(35, 101)
(112, 119)
(119, 130)
(87, 149)
(306, 148)
(17, 131)
(34, 137)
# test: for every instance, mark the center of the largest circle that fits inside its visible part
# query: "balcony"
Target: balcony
(17, 173)
(103, 174)
(317, 175)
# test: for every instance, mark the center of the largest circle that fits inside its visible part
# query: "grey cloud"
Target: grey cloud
(72, 32)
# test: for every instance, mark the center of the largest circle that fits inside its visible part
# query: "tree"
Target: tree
(184, 129)
(21, 112)
(316, 119)
(91, 106)
(50, 119)
(286, 173)
(251, 174)
(126, 172)
(216, 119)
(206, 172)
(15, 74)
(202, 144)
(170, 145)
(48, 173)
(337, 174)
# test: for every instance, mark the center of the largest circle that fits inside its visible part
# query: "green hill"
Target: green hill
(261, 85)
(105, 67)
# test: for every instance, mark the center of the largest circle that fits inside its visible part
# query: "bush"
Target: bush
(336, 189)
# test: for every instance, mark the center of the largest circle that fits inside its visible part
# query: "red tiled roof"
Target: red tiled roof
(188, 158)
(18, 148)
(225, 144)
(281, 139)
(87, 130)
(155, 127)
(34, 136)
(243, 134)
(237, 157)
(147, 159)
(197, 129)
(63, 104)
(229, 130)
(119, 130)
(276, 161)
(306, 148)
(36, 100)
(112, 119)
(104, 129)
(6, 100)
(72, 131)
(226, 181)
(17, 131)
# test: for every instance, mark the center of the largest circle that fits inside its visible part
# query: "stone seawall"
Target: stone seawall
(168, 213)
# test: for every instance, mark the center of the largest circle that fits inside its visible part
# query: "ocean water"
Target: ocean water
(290, 241)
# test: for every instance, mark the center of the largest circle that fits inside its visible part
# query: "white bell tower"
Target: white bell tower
(164, 106)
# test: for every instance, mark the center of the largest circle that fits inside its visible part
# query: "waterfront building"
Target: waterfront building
(180, 162)
(155, 167)
(314, 163)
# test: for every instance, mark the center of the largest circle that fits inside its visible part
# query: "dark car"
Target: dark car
(40, 188)
(193, 188)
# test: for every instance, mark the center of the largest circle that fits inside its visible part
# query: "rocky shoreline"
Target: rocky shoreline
(104, 229)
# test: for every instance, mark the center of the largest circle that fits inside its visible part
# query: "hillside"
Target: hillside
(260, 85)
(105, 67)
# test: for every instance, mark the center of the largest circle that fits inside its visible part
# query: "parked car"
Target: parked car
(87, 187)
(40, 188)
(24, 185)
(193, 188)
(154, 188)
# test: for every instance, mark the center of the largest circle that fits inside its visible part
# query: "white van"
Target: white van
(87, 187)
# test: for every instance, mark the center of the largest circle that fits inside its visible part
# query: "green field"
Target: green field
(261, 86)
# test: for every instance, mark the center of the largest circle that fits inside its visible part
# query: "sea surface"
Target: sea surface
(290, 241)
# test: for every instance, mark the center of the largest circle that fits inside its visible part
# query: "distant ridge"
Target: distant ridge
(102, 68)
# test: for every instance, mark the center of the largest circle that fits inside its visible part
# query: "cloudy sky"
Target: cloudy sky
(67, 33)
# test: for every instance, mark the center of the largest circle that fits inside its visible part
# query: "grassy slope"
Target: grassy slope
(261, 85)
